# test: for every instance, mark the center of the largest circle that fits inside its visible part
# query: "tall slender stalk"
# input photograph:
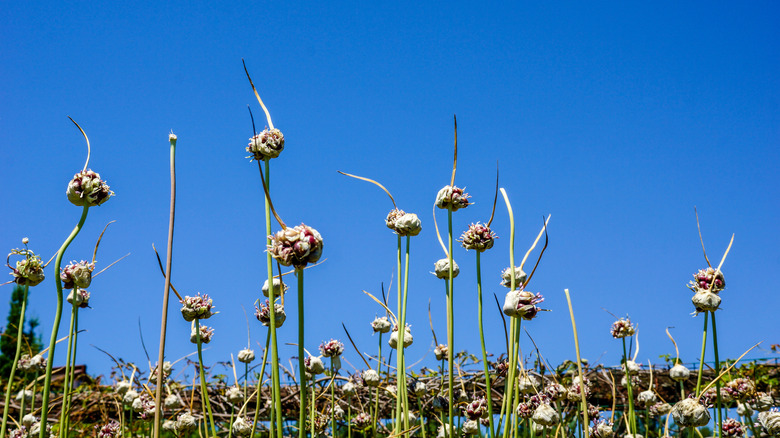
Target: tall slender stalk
(701, 359)
(717, 373)
(579, 366)
(450, 326)
(166, 292)
(259, 387)
(301, 366)
(203, 388)
(57, 318)
(19, 334)
(629, 386)
(68, 369)
(488, 390)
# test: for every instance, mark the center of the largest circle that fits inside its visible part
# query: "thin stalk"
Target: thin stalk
(332, 398)
(631, 415)
(701, 359)
(450, 325)
(203, 387)
(19, 334)
(484, 352)
(259, 387)
(57, 318)
(402, 390)
(24, 399)
(397, 428)
(579, 366)
(301, 366)
(717, 373)
(166, 294)
(72, 367)
(66, 383)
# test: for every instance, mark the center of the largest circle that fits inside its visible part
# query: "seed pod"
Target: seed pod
(471, 427)
(546, 415)
(198, 306)
(247, 355)
(266, 145)
(442, 269)
(705, 301)
(506, 277)
(313, 365)
(690, 413)
(452, 198)
(679, 373)
(381, 325)
(646, 398)
(185, 423)
(408, 339)
(77, 274)
(478, 237)
(86, 189)
(371, 378)
(296, 246)
(81, 298)
(205, 334)
(29, 270)
(278, 290)
(622, 328)
(440, 351)
(263, 314)
(235, 395)
(408, 224)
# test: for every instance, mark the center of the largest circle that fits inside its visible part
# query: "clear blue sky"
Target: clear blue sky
(615, 118)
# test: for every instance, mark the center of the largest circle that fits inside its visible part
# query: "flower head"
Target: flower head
(266, 145)
(690, 412)
(361, 421)
(144, 405)
(86, 189)
(506, 277)
(408, 339)
(442, 269)
(263, 314)
(198, 307)
(440, 351)
(371, 378)
(733, 428)
(205, 334)
(77, 274)
(622, 328)
(246, 355)
(29, 270)
(476, 409)
(185, 423)
(704, 279)
(408, 224)
(332, 348)
(381, 325)
(522, 304)
(452, 198)
(679, 372)
(110, 430)
(278, 289)
(79, 298)
(296, 246)
(313, 365)
(242, 427)
(705, 301)
(479, 237)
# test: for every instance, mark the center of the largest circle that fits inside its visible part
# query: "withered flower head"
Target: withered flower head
(442, 269)
(622, 328)
(198, 307)
(296, 246)
(205, 334)
(29, 270)
(263, 314)
(86, 189)
(266, 145)
(452, 197)
(77, 274)
(479, 237)
(332, 348)
(381, 325)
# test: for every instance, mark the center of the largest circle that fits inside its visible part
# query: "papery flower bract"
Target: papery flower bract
(622, 328)
(266, 145)
(29, 270)
(86, 189)
(478, 237)
(690, 413)
(371, 378)
(77, 274)
(348, 389)
(246, 355)
(630, 367)
(172, 401)
(770, 420)
(476, 409)
(28, 420)
(527, 384)
(381, 325)
(546, 415)
(646, 398)
(522, 304)
(242, 427)
(408, 224)
(452, 197)
(198, 307)
(441, 269)
(123, 386)
(417, 387)
(408, 339)
(296, 246)
(235, 395)
(263, 314)
(660, 409)
(313, 365)
(392, 217)
(129, 396)
(679, 372)
(332, 348)
(705, 301)
(506, 277)
(79, 299)
(205, 334)
(440, 351)
(762, 402)
(278, 289)
(185, 423)
(602, 429)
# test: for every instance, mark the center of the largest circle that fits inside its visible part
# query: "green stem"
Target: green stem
(57, 318)
(631, 416)
(701, 359)
(73, 367)
(19, 334)
(301, 366)
(719, 403)
(66, 383)
(488, 391)
(450, 326)
(259, 393)
(332, 398)
(399, 345)
(203, 387)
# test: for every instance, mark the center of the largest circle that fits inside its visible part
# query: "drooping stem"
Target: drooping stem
(301, 366)
(166, 294)
(57, 318)
(450, 326)
(717, 373)
(701, 359)
(19, 334)
(203, 388)
(488, 391)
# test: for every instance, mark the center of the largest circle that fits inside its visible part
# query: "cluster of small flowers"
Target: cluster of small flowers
(602, 429)
(452, 198)
(110, 430)
(522, 304)
(706, 285)
(476, 409)
(741, 388)
(144, 405)
(506, 277)
(408, 339)
(440, 351)
(77, 274)
(732, 428)
(478, 237)
(402, 223)
(79, 298)
(622, 328)
(332, 348)
(296, 246)
(381, 325)
(86, 189)
(205, 334)
(29, 364)
(266, 145)
(263, 314)
(660, 409)
(361, 421)
(198, 307)
(166, 370)
(29, 270)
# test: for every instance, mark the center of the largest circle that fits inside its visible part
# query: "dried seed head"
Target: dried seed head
(471, 427)
(129, 397)
(332, 348)
(478, 237)
(79, 299)
(110, 430)
(185, 423)
(408, 339)
(679, 373)
(622, 328)
(313, 365)
(703, 280)
(476, 409)
(522, 304)
(246, 355)
(442, 269)
(242, 427)
(770, 420)
(278, 290)
(440, 351)
(86, 189)
(506, 277)
(77, 274)
(205, 334)
(296, 246)
(381, 325)
(602, 429)
(705, 301)
(263, 314)
(408, 224)
(361, 421)
(371, 378)
(646, 398)
(732, 428)
(546, 415)
(630, 367)
(266, 145)
(198, 307)
(348, 389)
(660, 409)
(29, 270)
(690, 413)
(527, 384)
(452, 197)
(235, 395)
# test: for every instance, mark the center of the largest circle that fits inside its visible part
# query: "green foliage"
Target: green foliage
(31, 344)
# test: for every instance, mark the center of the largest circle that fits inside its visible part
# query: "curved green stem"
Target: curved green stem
(203, 388)
(19, 334)
(488, 391)
(57, 318)
(301, 366)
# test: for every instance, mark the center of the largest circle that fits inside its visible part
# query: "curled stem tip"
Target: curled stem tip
(268, 196)
(539, 236)
(257, 95)
(698, 226)
(355, 346)
(676, 350)
(430, 321)
(495, 199)
(372, 182)
(726, 371)
(252, 118)
(546, 241)
(438, 234)
(97, 244)
(89, 149)
(731, 242)
(455, 158)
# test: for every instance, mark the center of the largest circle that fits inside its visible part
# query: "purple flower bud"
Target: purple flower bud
(263, 314)
(478, 237)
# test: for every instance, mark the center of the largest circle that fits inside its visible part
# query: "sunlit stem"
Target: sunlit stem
(301, 366)
(19, 334)
(488, 391)
(717, 373)
(57, 317)
(450, 326)
(203, 388)
(629, 386)
(701, 359)
(259, 387)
